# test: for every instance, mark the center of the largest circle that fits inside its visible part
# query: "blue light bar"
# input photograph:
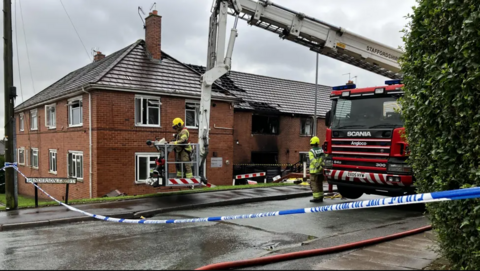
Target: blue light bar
(393, 82)
(345, 87)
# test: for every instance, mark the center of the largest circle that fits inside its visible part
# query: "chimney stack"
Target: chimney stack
(98, 56)
(153, 35)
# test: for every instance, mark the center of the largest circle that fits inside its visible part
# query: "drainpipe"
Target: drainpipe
(90, 139)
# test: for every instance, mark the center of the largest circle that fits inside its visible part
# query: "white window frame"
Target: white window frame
(47, 117)
(311, 126)
(139, 155)
(21, 123)
(71, 102)
(141, 97)
(34, 116)
(52, 155)
(18, 155)
(76, 154)
(196, 103)
(33, 151)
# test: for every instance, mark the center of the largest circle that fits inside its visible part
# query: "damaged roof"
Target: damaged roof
(130, 69)
(269, 94)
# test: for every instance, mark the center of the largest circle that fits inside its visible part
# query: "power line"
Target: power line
(86, 51)
(18, 54)
(26, 45)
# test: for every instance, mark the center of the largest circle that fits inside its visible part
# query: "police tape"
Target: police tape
(459, 194)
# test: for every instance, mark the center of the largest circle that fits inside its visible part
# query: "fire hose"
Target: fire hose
(312, 252)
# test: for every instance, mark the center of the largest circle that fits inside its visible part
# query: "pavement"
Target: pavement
(44, 216)
(410, 253)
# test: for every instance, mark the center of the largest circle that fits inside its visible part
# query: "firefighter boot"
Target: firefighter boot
(317, 197)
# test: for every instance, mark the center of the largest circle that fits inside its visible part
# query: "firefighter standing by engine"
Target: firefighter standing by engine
(182, 152)
(316, 156)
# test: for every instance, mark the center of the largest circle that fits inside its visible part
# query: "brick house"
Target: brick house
(93, 123)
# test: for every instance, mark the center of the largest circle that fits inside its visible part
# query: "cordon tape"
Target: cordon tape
(459, 194)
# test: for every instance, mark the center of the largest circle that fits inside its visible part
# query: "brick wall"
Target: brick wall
(288, 143)
(118, 140)
(62, 139)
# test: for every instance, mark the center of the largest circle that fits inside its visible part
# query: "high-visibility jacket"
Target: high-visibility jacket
(183, 137)
(316, 160)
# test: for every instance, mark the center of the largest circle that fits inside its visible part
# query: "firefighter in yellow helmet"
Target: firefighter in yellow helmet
(182, 152)
(316, 156)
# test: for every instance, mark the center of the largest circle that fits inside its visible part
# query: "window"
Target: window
(75, 165)
(306, 128)
(265, 124)
(21, 156)
(144, 163)
(192, 110)
(147, 111)
(367, 113)
(52, 161)
(33, 120)
(22, 122)
(34, 157)
(75, 112)
(50, 116)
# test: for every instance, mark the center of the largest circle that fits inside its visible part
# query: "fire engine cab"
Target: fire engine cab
(365, 145)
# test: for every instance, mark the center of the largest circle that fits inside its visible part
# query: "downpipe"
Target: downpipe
(310, 253)
(90, 140)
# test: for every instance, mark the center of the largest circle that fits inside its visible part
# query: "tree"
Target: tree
(441, 109)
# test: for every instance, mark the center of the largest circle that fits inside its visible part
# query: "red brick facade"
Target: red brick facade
(288, 143)
(116, 140)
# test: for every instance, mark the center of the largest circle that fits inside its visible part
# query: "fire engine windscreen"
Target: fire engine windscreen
(362, 112)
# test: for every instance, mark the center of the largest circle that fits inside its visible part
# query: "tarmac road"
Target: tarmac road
(105, 245)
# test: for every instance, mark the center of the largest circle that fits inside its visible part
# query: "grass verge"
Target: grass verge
(28, 202)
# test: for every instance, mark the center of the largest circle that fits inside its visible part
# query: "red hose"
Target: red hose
(308, 253)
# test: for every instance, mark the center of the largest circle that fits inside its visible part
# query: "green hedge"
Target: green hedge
(441, 109)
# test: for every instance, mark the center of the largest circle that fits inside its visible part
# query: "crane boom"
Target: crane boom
(322, 37)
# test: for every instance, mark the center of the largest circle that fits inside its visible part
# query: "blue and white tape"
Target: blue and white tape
(458, 194)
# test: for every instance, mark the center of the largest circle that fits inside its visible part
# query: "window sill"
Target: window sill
(35, 168)
(141, 182)
(75, 126)
(191, 127)
(52, 172)
(51, 128)
(148, 126)
(34, 129)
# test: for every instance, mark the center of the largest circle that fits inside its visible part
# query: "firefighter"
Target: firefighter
(316, 156)
(182, 152)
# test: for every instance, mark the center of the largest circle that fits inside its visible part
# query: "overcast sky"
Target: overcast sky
(110, 25)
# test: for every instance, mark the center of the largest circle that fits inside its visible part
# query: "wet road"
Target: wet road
(103, 245)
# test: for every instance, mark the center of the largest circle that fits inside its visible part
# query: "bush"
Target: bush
(441, 108)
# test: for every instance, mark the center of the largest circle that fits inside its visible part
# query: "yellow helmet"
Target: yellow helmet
(315, 141)
(177, 122)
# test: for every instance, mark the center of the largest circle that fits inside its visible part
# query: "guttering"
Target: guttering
(90, 139)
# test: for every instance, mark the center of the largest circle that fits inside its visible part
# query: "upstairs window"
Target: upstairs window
(147, 111)
(192, 110)
(33, 120)
(22, 122)
(50, 116)
(75, 112)
(268, 125)
(306, 128)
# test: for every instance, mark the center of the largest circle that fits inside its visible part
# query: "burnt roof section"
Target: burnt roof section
(264, 93)
(130, 69)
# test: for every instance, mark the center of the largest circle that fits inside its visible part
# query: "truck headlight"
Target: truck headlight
(400, 168)
(329, 163)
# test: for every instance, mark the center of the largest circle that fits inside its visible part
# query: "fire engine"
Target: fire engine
(365, 144)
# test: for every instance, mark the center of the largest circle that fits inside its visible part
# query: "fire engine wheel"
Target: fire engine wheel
(348, 192)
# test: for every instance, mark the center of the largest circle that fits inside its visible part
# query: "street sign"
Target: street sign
(51, 180)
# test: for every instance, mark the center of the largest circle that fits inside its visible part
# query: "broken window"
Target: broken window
(192, 110)
(264, 158)
(306, 128)
(147, 111)
(265, 124)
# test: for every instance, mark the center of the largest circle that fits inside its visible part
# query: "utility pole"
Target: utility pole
(10, 94)
(316, 96)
